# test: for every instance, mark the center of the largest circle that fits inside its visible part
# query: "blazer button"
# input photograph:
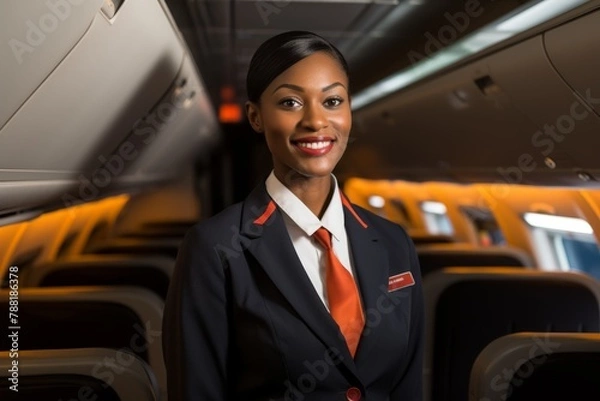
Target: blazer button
(353, 394)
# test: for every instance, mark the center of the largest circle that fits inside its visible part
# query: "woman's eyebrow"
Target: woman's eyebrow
(300, 89)
(333, 85)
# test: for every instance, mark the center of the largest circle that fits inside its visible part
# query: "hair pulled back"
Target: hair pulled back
(279, 53)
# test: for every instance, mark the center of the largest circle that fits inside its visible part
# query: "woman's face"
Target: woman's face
(306, 118)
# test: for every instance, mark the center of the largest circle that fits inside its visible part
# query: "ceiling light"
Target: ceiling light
(433, 207)
(376, 201)
(559, 223)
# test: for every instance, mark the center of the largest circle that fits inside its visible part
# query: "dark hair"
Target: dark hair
(279, 53)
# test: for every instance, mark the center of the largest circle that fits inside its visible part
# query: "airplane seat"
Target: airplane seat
(75, 374)
(538, 366)
(466, 309)
(173, 229)
(433, 257)
(135, 246)
(153, 273)
(426, 239)
(102, 240)
(121, 318)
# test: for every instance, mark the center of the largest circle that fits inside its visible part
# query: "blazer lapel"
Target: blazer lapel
(371, 265)
(269, 242)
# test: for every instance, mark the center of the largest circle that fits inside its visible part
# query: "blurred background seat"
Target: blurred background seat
(465, 310)
(433, 257)
(538, 366)
(78, 374)
(127, 319)
(153, 273)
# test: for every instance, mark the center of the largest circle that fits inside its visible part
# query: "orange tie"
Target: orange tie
(342, 293)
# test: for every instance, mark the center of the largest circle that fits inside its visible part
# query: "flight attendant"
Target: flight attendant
(295, 293)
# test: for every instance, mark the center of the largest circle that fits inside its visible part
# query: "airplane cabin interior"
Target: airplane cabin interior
(476, 127)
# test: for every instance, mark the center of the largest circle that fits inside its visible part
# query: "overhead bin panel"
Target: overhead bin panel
(69, 142)
(36, 36)
(507, 117)
(567, 131)
(180, 127)
(115, 74)
(461, 124)
(574, 49)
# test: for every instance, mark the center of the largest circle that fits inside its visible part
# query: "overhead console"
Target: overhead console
(79, 81)
(527, 114)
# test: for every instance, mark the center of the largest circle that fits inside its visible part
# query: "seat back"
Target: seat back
(128, 319)
(428, 239)
(153, 273)
(136, 246)
(76, 374)
(466, 310)
(538, 366)
(166, 229)
(433, 257)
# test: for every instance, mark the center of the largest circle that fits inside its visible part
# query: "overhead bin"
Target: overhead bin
(428, 131)
(87, 87)
(574, 50)
(39, 34)
(174, 130)
(526, 110)
(563, 147)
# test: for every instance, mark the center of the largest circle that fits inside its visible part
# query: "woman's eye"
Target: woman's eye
(334, 102)
(289, 103)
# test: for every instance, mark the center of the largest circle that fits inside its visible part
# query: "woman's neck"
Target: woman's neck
(314, 192)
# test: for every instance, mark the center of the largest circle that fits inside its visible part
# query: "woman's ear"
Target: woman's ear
(253, 114)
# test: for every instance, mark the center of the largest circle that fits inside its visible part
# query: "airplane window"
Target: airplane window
(486, 226)
(436, 218)
(392, 209)
(583, 256)
(571, 239)
(400, 208)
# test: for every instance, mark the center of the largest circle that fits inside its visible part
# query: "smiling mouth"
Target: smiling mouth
(314, 147)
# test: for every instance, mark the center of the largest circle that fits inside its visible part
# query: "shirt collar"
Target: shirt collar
(301, 215)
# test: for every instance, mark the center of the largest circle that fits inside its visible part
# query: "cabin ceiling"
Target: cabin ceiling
(378, 37)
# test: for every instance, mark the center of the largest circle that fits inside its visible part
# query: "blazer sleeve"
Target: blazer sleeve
(195, 323)
(410, 384)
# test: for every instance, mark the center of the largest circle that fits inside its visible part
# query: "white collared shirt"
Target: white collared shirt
(301, 224)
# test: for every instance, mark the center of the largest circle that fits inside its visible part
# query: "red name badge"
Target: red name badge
(401, 280)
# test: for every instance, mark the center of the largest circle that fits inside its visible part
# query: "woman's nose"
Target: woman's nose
(314, 118)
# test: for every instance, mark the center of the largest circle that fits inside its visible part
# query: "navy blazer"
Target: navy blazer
(242, 320)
